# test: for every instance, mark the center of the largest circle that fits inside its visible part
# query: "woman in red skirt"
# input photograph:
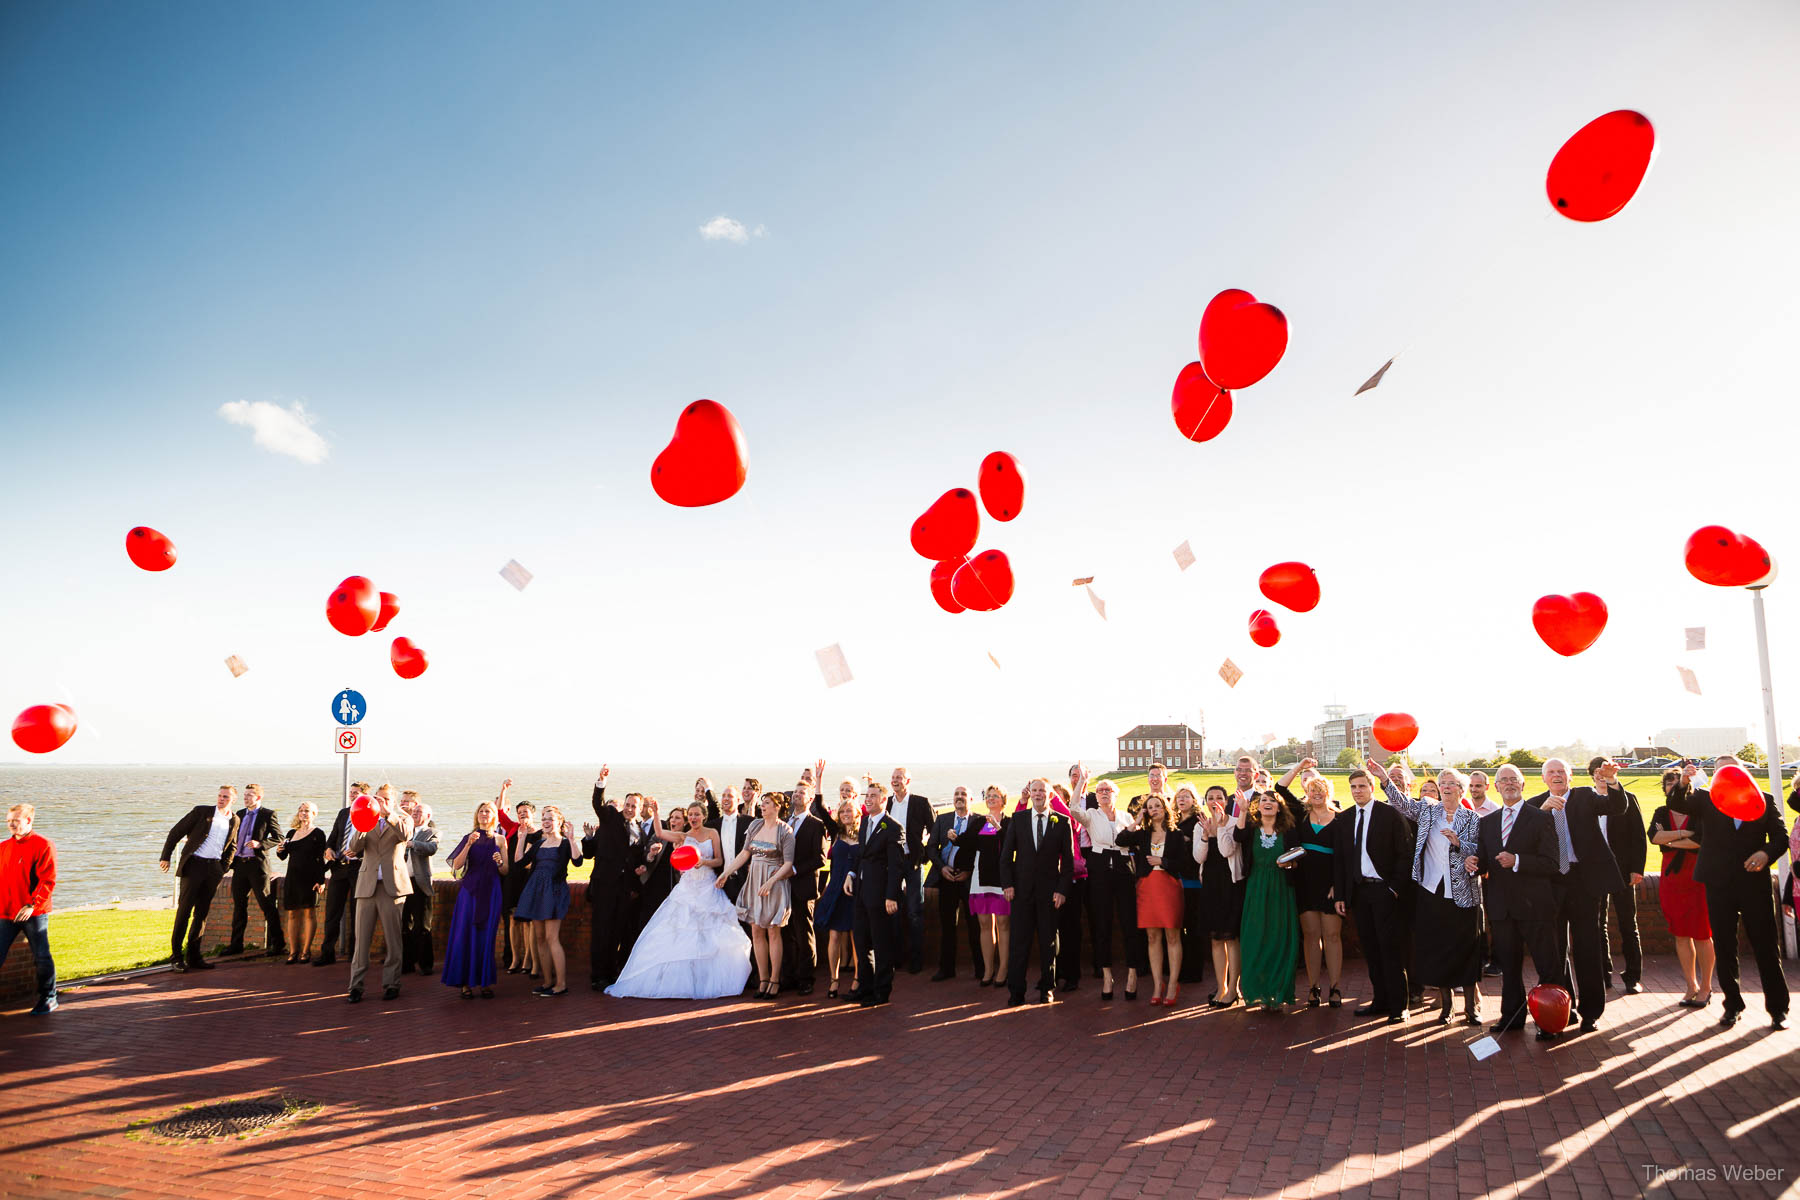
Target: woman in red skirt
(1159, 854)
(1683, 900)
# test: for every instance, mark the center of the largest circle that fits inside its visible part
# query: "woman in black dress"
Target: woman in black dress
(1195, 948)
(1321, 929)
(521, 852)
(304, 850)
(1221, 895)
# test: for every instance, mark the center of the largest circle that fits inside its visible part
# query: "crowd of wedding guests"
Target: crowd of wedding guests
(1446, 879)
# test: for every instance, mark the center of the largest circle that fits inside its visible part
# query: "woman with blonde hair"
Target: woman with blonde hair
(1221, 894)
(480, 860)
(545, 900)
(304, 850)
(835, 914)
(1158, 858)
(978, 853)
(1321, 929)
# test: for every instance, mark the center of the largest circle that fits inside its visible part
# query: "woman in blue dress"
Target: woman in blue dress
(545, 900)
(836, 912)
(475, 921)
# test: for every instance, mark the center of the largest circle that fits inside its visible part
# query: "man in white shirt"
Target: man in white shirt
(951, 886)
(732, 826)
(1517, 851)
(209, 830)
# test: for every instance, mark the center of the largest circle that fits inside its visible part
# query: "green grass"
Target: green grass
(99, 943)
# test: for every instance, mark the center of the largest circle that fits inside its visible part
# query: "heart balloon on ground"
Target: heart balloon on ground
(1550, 1007)
(1263, 630)
(43, 728)
(409, 661)
(1722, 558)
(1002, 486)
(1569, 624)
(1395, 731)
(353, 606)
(1735, 794)
(1292, 585)
(1201, 407)
(941, 574)
(706, 461)
(149, 549)
(684, 858)
(390, 608)
(948, 528)
(1241, 339)
(984, 583)
(1597, 172)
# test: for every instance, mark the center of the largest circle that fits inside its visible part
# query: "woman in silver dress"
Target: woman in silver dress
(763, 902)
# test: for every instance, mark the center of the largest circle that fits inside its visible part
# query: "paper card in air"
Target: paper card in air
(1689, 680)
(236, 665)
(1230, 674)
(1375, 379)
(1184, 556)
(1083, 581)
(833, 665)
(1696, 637)
(1098, 603)
(993, 660)
(514, 574)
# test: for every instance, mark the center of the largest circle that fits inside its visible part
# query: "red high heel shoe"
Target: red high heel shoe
(1174, 996)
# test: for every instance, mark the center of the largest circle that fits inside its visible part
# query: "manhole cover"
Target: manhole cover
(229, 1118)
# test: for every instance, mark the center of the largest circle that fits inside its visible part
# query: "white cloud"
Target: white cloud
(725, 229)
(286, 431)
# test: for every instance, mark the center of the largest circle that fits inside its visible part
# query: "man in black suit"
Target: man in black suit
(733, 826)
(952, 887)
(416, 949)
(1626, 838)
(611, 841)
(211, 832)
(1037, 866)
(1517, 853)
(877, 893)
(799, 941)
(1586, 875)
(258, 833)
(658, 876)
(342, 868)
(1373, 862)
(1735, 855)
(915, 815)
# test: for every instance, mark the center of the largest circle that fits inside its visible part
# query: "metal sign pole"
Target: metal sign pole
(1768, 695)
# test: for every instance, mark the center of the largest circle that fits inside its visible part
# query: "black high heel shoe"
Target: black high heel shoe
(1336, 999)
(1312, 998)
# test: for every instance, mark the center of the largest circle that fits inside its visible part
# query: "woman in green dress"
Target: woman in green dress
(1270, 937)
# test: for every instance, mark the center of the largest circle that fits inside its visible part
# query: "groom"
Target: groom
(877, 894)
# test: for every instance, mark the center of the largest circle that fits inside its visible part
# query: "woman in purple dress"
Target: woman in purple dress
(475, 921)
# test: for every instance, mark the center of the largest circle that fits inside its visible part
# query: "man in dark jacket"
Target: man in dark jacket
(877, 892)
(211, 832)
(1626, 837)
(1586, 875)
(258, 833)
(1037, 868)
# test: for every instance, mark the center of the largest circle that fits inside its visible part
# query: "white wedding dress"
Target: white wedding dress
(693, 947)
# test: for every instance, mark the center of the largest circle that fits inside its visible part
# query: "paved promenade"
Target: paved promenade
(945, 1092)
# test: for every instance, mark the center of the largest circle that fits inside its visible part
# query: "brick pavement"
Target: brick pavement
(944, 1092)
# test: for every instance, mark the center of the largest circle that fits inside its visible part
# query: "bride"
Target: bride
(692, 948)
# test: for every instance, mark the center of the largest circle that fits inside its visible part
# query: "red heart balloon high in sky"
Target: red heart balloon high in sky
(949, 527)
(409, 661)
(390, 608)
(1395, 731)
(1263, 630)
(1241, 339)
(984, 583)
(353, 606)
(1722, 558)
(1202, 408)
(1597, 172)
(1002, 485)
(43, 728)
(706, 461)
(149, 549)
(1569, 624)
(941, 573)
(1291, 585)
(1735, 794)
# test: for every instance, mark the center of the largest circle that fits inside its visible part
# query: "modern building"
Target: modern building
(1704, 743)
(1340, 732)
(1175, 746)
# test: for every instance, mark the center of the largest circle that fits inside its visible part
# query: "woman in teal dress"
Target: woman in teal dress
(1270, 935)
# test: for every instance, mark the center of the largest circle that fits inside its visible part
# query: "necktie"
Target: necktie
(1563, 848)
(1361, 819)
(1506, 824)
(245, 824)
(1039, 840)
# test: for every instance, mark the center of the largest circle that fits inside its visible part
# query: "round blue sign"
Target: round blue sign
(348, 707)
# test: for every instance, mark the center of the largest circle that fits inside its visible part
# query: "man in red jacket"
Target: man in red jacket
(27, 877)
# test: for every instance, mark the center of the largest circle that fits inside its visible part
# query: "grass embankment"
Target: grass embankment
(85, 944)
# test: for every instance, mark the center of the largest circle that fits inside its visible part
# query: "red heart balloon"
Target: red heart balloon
(1395, 731)
(363, 819)
(1292, 585)
(1597, 172)
(1735, 794)
(1002, 485)
(1202, 408)
(1569, 624)
(409, 661)
(149, 549)
(984, 583)
(941, 574)
(1549, 1007)
(390, 608)
(1263, 630)
(706, 461)
(1722, 558)
(949, 527)
(684, 857)
(43, 728)
(1241, 339)
(353, 606)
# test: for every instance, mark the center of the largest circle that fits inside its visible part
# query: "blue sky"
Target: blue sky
(469, 244)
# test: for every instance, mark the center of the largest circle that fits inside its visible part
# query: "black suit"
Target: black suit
(616, 854)
(1733, 892)
(1629, 844)
(1037, 869)
(734, 883)
(1521, 903)
(251, 876)
(1582, 890)
(917, 821)
(199, 876)
(878, 881)
(799, 940)
(340, 893)
(1380, 916)
(953, 894)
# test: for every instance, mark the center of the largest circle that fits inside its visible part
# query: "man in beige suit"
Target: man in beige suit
(383, 883)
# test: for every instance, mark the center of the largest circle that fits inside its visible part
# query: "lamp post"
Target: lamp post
(1768, 689)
